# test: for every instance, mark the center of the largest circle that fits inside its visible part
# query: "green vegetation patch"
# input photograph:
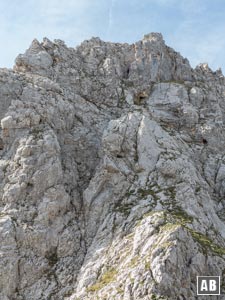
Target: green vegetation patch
(151, 190)
(108, 277)
(157, 297)
(145, 192)
(134, 261)
(174, 81)
(124, 208)
(120, 290)
(147, 265)
(129, 193)
(180, 216)
(206, 243)
(170, 192)
(52, 257)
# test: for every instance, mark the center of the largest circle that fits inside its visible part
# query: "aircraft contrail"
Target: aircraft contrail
(110, 22)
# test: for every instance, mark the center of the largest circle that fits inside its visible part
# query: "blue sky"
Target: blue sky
(195, 28)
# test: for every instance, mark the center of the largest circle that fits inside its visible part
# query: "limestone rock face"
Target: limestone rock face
(112, 173)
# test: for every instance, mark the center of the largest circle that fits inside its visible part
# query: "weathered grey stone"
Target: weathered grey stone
(112, 173)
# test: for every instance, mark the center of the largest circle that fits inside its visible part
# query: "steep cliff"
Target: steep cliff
(112, 173)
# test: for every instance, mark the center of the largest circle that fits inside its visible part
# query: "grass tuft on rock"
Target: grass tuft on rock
(108, 277)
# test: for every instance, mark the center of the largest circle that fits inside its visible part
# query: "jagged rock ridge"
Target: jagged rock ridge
(112, 173)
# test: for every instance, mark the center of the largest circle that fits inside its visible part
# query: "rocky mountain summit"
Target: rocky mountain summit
(112, 173)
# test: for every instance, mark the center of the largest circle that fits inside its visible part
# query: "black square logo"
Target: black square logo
(208, 285)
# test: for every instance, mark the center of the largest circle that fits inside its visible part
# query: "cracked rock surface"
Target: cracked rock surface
(112, 173)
